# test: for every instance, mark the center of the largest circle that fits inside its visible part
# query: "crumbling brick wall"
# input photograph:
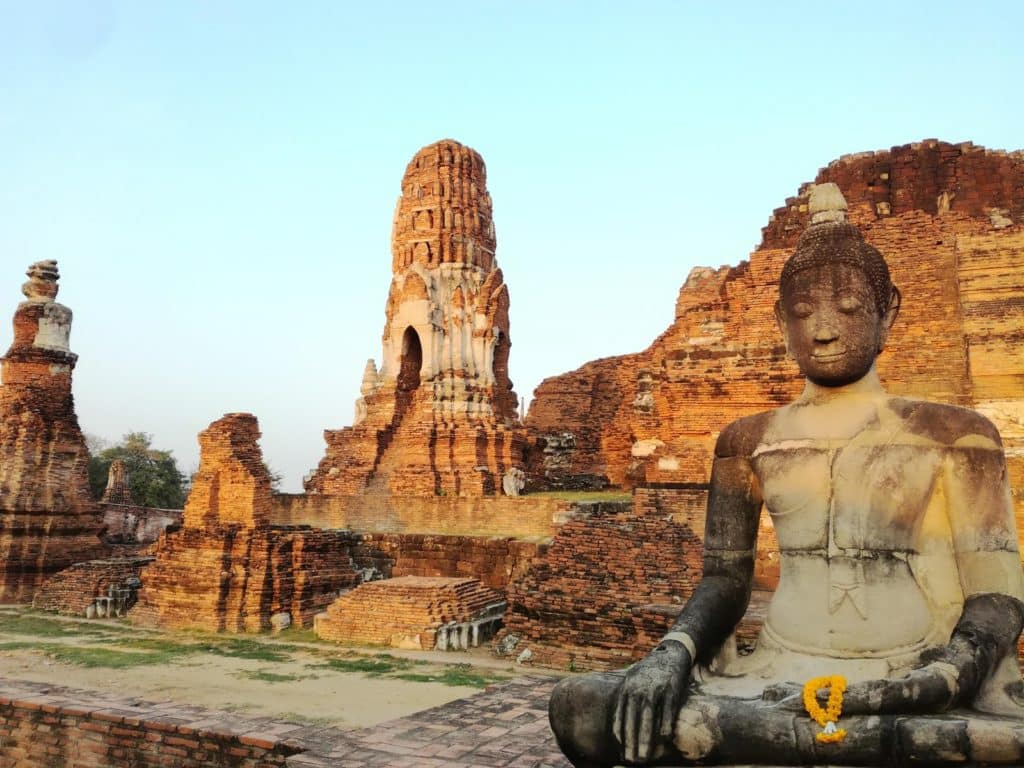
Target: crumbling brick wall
(586, 602)
(74, 589)
(495, 561)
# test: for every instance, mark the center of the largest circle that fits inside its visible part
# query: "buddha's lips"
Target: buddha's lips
(825, 357)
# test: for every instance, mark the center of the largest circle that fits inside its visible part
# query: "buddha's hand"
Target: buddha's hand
(649, 699)
(928, 689)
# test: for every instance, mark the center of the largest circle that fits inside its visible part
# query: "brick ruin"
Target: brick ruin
(614, 579)
(950, 221)
(439, 416)
(48, 520)
(584, 604)
(416, 612)
(227, 568)
(93, 588)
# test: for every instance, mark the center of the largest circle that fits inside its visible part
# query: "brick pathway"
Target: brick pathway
(505, 725)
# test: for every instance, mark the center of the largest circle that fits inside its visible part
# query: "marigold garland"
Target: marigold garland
(828, 717)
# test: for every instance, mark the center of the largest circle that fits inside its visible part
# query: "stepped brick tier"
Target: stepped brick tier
(418, 612)
(227, 568)
(48, 520)
(440, 416)
(84, 587)
(949, 220)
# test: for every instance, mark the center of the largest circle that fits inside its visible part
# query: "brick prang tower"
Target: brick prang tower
(439, 416)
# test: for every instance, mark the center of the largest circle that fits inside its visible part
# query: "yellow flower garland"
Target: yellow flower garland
(828, 717)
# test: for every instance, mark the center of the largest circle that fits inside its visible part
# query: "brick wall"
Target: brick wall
(521, 517)
(132, 524)
(495, 561)
(50, 730)
(687, 503)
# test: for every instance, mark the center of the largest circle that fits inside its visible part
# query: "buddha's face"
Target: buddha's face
(831, 323)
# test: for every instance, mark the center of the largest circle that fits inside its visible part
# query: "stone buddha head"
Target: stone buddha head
(836, 299)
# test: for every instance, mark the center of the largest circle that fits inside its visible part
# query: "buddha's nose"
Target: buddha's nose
(826, 332)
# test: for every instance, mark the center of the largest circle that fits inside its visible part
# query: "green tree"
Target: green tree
(153, 475)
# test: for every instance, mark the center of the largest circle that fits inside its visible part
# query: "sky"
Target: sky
(217, 179)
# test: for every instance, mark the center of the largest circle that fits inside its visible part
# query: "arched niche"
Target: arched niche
(412, 361)
(502, 346)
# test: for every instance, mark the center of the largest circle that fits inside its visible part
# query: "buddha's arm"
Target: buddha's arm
(980, 513)
(654, 689)
(721, 598)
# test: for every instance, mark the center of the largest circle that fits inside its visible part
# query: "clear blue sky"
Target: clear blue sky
(217, 179)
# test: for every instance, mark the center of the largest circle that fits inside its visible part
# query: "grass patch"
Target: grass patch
(372, 667)
(106, 658)
(297, 634)
(41, 626)
(29, 624)
(266, 676)
(456, 675)
(19, 645)
(412, 670)
(244, 648)
(158, 645)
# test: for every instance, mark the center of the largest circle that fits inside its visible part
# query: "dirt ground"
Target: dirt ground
(292, 676)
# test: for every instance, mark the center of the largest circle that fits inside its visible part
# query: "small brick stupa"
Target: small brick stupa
(48, 520)
(227, 569)
(440, 416)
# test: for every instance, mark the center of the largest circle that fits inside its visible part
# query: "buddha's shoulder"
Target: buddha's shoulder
(742, 436)
(948, 425)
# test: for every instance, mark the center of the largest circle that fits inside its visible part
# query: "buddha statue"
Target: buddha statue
(899, 601)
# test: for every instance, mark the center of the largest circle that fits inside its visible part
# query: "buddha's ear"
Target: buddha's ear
(889, 315)
(780, 319)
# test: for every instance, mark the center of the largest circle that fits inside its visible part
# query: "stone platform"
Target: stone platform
(503, 726)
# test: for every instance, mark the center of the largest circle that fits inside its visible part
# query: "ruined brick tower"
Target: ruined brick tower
(227, 568)
(48, 520)
(439, 417)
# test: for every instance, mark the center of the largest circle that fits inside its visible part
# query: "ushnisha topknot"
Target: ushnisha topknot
(830, 239)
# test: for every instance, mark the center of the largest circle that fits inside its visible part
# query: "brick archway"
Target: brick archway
(412, 361)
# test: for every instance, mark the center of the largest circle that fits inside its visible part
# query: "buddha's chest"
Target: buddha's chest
(862, 493)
